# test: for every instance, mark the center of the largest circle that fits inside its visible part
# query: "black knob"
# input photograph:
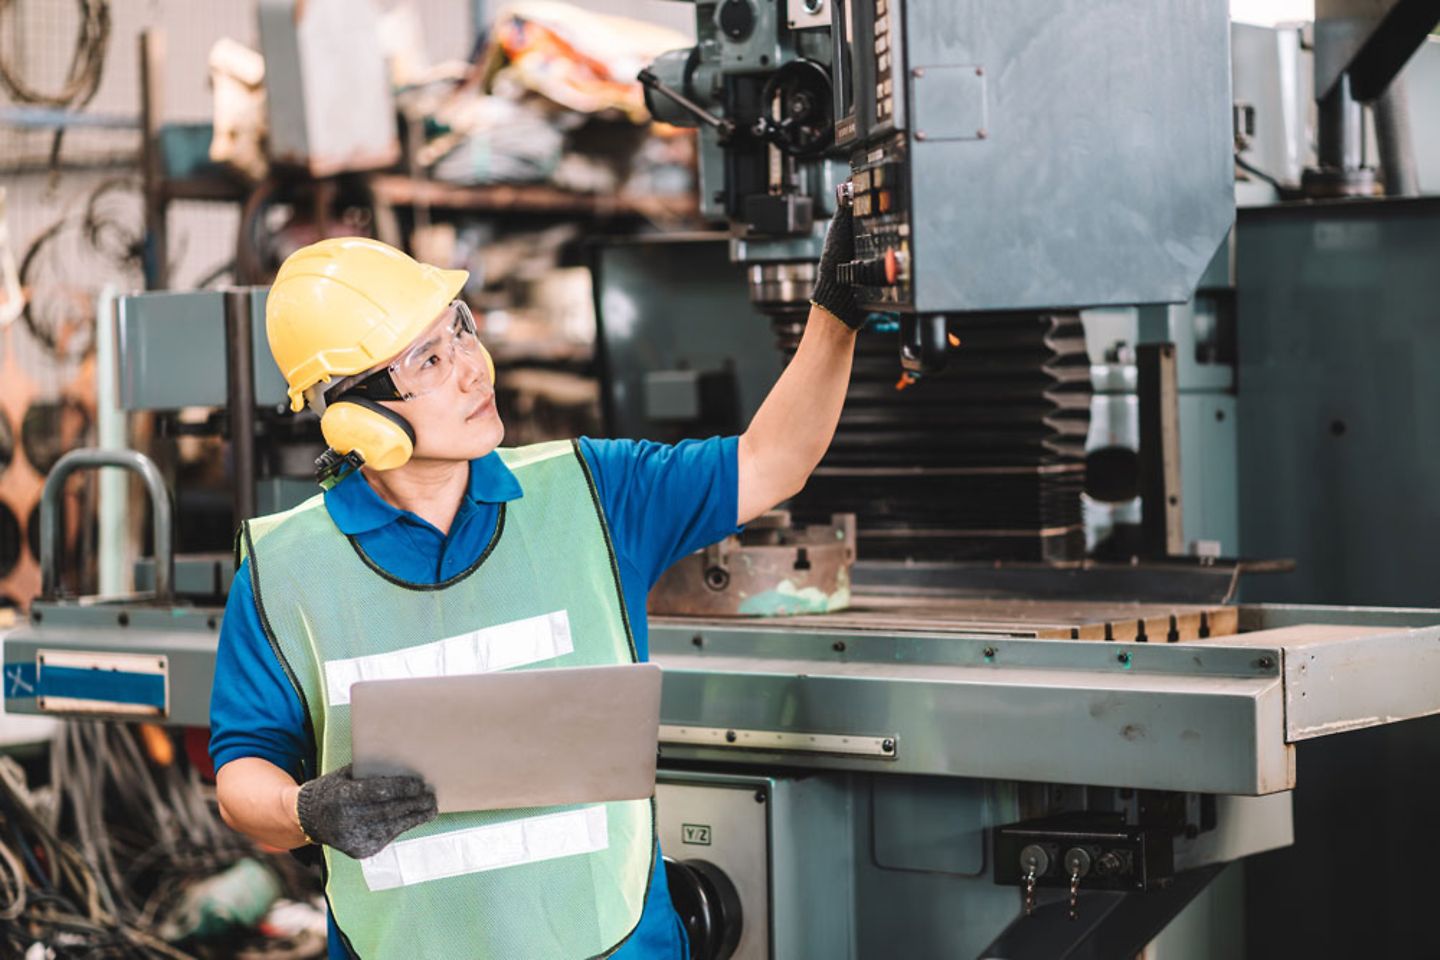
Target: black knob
(923, 342)
(1108, 864)
(736, 19)
(708, 905)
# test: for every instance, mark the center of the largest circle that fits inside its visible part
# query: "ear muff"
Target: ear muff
(380, 435)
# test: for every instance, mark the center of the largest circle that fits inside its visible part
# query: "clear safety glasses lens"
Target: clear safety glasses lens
(428, 364)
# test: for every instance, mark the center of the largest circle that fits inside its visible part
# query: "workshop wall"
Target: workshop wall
(75, 222)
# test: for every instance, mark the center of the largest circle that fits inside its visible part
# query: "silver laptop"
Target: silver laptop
(528, 738)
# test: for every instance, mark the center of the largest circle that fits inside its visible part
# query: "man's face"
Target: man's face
(457, 420)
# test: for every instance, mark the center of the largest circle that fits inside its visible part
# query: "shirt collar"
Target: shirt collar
(492, 482)
(356, 508)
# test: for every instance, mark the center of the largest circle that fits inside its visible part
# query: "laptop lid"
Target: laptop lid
(526, 738)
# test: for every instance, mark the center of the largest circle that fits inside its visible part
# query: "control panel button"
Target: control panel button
(869, 272)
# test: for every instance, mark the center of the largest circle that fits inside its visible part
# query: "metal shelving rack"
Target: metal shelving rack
(389, 191)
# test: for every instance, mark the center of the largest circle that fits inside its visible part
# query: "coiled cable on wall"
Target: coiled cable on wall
(87, 63)
(82, 78)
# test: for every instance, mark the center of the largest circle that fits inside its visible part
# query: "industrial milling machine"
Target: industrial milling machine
(1038, 725)
(1024, 179)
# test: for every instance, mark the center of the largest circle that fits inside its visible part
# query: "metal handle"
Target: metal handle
(722, 126)
(52, 515)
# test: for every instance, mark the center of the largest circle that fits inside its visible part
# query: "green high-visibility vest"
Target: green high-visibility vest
(561, 882)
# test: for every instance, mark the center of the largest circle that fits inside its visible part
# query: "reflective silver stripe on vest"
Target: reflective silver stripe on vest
(515, 644)
(492, 847)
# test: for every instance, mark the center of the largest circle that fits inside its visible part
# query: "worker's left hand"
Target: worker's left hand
(359, 817)
(832, 296)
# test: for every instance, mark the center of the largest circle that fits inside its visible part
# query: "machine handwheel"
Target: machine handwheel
(708, 905)
(804, 127)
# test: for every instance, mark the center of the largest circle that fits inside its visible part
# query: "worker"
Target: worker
(430, 541)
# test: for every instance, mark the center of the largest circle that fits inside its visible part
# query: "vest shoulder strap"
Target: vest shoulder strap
(517, 458)
(252, 531)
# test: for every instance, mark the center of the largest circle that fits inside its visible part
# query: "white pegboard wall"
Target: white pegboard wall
(38, 43)
(202, 240)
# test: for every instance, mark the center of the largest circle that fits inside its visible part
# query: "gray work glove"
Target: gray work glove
(360, 817)
(829, 292)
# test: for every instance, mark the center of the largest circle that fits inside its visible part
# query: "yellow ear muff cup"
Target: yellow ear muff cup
(383, 437)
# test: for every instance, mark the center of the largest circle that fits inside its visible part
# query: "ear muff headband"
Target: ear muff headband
(358, 424)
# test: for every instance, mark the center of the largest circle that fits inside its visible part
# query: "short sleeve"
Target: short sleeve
(254, 710)
(663, 501)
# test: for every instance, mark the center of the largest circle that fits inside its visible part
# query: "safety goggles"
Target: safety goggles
(426, 366)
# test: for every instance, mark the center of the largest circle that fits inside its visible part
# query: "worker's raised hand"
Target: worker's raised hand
(830, 294)
(359, 817)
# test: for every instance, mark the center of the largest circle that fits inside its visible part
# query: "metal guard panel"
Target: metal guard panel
(1347, 668)
(1337, 684)
(183, 637)
(1209, 734)
(174, 347)
(1104, 173)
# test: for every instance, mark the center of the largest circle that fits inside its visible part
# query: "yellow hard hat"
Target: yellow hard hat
(344, 305)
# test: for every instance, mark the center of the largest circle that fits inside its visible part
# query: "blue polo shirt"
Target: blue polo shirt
(660, 502)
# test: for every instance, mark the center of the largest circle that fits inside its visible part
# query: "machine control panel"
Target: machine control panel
(880, 205)
(884, 58)
(870, 56)
(962, 97)
(1097, 851)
